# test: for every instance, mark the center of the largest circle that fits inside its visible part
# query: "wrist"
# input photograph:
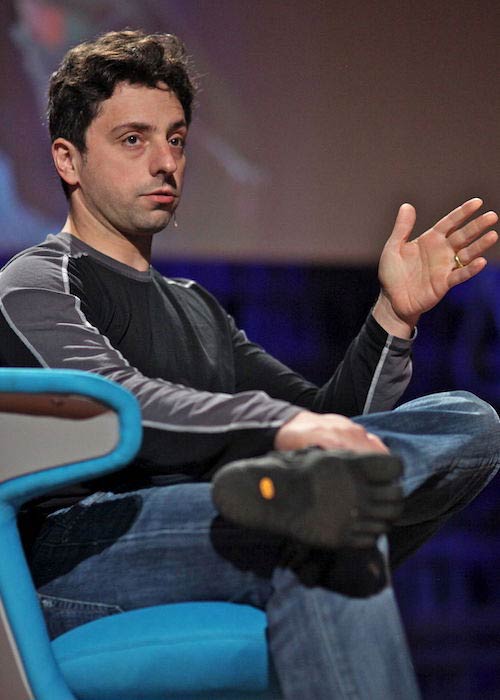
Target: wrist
(288, 436)
(383, 312)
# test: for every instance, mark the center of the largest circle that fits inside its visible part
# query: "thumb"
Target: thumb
(403, 226)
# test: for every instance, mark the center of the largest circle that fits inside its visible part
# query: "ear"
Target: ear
(67, 159)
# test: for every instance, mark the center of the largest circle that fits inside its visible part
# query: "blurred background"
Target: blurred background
(315, 121)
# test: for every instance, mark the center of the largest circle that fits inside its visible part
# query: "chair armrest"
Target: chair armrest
(59, 427)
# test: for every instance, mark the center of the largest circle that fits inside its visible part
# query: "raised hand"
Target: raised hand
(415, 275)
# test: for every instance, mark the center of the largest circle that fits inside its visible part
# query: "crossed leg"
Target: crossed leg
(115, 552)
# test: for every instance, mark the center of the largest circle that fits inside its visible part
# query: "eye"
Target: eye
(131, 140)
(177, 142)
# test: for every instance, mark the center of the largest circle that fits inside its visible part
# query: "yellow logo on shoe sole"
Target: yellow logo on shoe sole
(266, 488)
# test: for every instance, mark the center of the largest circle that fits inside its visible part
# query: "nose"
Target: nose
(163, 159)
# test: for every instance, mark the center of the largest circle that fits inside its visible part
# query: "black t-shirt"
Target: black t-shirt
(207, 394)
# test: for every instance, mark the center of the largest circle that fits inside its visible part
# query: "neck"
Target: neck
(134, 251)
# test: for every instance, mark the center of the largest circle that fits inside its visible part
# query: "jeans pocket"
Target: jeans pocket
(63, 614)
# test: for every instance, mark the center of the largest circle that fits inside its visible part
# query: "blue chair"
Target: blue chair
(59, 427)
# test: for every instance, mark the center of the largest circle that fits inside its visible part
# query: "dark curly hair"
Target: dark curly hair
(90, 71)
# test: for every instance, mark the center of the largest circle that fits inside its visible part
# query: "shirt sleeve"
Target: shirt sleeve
(373, 375)
(42, 324)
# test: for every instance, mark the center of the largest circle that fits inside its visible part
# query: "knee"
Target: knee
(460, 410)
(474, 410)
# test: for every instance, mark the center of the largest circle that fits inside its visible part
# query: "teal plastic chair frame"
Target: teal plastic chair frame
(184, 651)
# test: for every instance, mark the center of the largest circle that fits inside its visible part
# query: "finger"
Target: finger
(374, 440)
(404, 224)
(364, 442)
(465, 273)
(478, 248)
(468, 233)
(353, 443)
(452, 221)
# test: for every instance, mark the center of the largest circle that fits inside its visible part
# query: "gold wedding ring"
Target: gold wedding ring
(458, 262)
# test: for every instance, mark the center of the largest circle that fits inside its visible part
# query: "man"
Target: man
(305, 491)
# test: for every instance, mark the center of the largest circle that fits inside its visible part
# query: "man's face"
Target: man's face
(130, 177)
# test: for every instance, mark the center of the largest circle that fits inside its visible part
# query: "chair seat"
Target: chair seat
(182, 650)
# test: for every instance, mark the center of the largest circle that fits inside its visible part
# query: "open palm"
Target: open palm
(415, 275)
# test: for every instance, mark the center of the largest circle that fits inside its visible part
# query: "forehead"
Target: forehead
(139, 103)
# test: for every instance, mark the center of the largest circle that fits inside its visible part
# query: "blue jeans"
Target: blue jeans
(119, 551)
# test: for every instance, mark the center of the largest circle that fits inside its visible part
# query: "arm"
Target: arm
(374, 373)
(372, 376)
(414, 277)
(42, 324)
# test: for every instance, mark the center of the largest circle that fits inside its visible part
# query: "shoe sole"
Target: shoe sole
(327, 499)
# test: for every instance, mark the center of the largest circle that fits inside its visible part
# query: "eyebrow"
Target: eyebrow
(145, 127)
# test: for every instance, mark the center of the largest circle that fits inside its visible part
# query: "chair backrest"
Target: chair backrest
(82, 424)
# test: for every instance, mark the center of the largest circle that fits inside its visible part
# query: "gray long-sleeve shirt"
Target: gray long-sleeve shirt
(206, 392)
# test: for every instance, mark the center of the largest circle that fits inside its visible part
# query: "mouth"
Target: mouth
(161, 196)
